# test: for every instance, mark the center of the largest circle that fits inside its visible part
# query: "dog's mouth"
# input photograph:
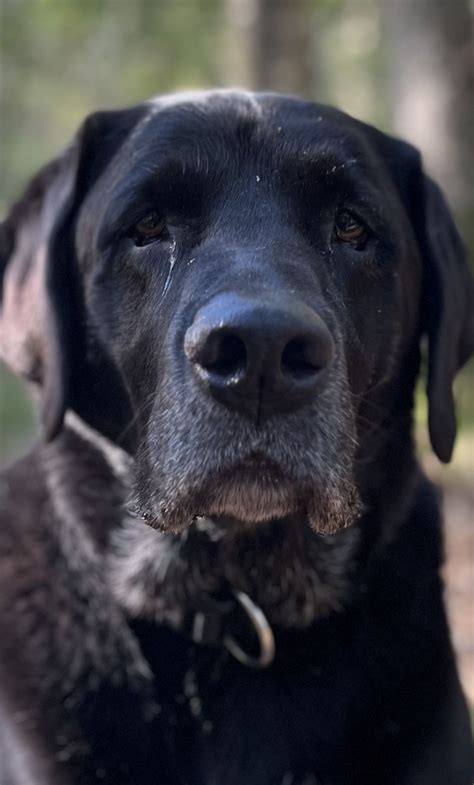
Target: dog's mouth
(254, 491)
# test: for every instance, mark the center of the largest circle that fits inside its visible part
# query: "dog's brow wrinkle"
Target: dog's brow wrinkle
(198, 157)
(146, 168)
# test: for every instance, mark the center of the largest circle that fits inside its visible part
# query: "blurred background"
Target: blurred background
(404, 65)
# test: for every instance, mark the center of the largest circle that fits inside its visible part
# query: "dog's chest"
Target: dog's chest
(253, 730)
(231, 725)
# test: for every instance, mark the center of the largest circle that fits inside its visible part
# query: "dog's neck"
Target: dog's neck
(293, 574)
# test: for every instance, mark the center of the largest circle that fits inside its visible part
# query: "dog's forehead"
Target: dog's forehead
(190, 118)
(208, 99)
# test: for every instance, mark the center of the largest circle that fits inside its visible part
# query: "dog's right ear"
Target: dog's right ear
(41, 325)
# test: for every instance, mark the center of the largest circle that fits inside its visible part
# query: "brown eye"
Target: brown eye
(149, 228)
(348, 228)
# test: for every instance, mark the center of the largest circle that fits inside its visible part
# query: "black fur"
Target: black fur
(321, 515)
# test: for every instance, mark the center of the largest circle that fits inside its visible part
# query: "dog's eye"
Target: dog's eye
(349, 229)
(149, 228)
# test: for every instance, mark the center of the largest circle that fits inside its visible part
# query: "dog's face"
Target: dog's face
(234, 287)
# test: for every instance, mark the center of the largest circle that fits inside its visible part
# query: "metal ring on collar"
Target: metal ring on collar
(263, 630)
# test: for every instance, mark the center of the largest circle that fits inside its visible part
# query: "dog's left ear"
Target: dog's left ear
(448, 312)
(447, 308)
(42, 330)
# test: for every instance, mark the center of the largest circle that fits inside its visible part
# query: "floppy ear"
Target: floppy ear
(447, 308)
(42, 335)
(448, 312)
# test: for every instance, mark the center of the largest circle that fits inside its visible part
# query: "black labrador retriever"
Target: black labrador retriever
(220, 297)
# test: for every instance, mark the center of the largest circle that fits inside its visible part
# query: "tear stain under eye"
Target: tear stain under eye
(172, 264)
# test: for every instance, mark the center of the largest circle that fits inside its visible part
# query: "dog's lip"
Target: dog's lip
(254, 470)
(224, 522)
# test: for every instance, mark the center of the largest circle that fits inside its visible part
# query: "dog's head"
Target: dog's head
(234, 288)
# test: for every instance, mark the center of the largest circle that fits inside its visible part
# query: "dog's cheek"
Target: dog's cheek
(121, 326)
(370, 320)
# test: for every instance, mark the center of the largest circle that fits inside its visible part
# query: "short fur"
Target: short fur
(320, 514)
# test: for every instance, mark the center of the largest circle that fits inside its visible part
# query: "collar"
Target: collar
(235, 622)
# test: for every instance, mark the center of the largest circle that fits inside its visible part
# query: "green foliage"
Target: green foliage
(61, 59)
(16, 417)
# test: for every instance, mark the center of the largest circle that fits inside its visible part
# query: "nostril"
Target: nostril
(298, 361)
(229, 356)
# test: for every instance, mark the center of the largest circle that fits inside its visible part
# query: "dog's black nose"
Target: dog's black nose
(259, 356)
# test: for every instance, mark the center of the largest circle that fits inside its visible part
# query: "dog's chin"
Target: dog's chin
(236, 503)
(244, 502)
(252, 501)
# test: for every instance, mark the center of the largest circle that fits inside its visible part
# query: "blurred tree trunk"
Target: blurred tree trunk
(431, 75)
(270, 45)
(283, 46)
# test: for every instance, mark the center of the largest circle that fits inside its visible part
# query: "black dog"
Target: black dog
(221, 298)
